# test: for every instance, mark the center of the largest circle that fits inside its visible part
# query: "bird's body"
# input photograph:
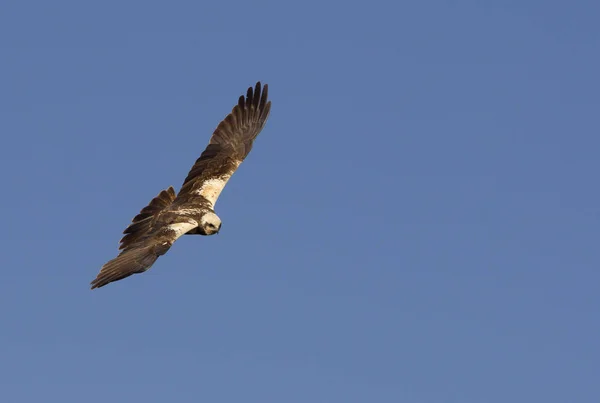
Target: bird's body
(169, 216)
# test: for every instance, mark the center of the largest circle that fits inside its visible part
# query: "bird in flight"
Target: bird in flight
(190, 212)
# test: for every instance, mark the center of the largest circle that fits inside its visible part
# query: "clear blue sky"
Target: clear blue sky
(418, 222)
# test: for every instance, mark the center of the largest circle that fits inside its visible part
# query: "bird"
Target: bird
(169, 216)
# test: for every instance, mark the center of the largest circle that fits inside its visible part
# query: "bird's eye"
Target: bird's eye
(211, 225)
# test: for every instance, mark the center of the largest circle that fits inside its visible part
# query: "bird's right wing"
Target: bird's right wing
(142, 222)
(150, 235)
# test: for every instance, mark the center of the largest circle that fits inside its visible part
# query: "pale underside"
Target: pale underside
(190, 211)
(153, 230)
(181, 228)
(212, 188)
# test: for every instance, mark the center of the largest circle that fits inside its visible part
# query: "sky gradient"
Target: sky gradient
(418, 222)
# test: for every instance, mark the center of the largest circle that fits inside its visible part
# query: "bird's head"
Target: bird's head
(210, 224)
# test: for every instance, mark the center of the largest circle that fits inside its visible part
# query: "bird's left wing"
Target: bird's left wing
(229, 145)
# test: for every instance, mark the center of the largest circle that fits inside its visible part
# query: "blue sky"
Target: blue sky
(418, 222)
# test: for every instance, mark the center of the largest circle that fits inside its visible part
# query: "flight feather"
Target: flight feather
(169, 216)
(229, 145)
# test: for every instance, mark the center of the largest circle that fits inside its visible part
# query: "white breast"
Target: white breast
(212, 188)
(189, 211)
(181, 228)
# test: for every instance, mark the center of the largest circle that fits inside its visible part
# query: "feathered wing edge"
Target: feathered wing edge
(246, 119)
(138, 254)
(142, 222)
(135, 260)
(233, 138)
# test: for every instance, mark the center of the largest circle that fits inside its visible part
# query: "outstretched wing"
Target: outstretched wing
(137, 259)
(159, 225)
(142, 222)
(150, 235)
(230, 143)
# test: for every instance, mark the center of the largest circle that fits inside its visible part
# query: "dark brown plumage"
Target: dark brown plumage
(232, 140)
(142, 222)
(168, 216)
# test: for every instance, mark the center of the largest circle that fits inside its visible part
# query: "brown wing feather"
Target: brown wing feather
(153, 230)
(142, 222)
(143, 243)
(231, 141)
(136, 259)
